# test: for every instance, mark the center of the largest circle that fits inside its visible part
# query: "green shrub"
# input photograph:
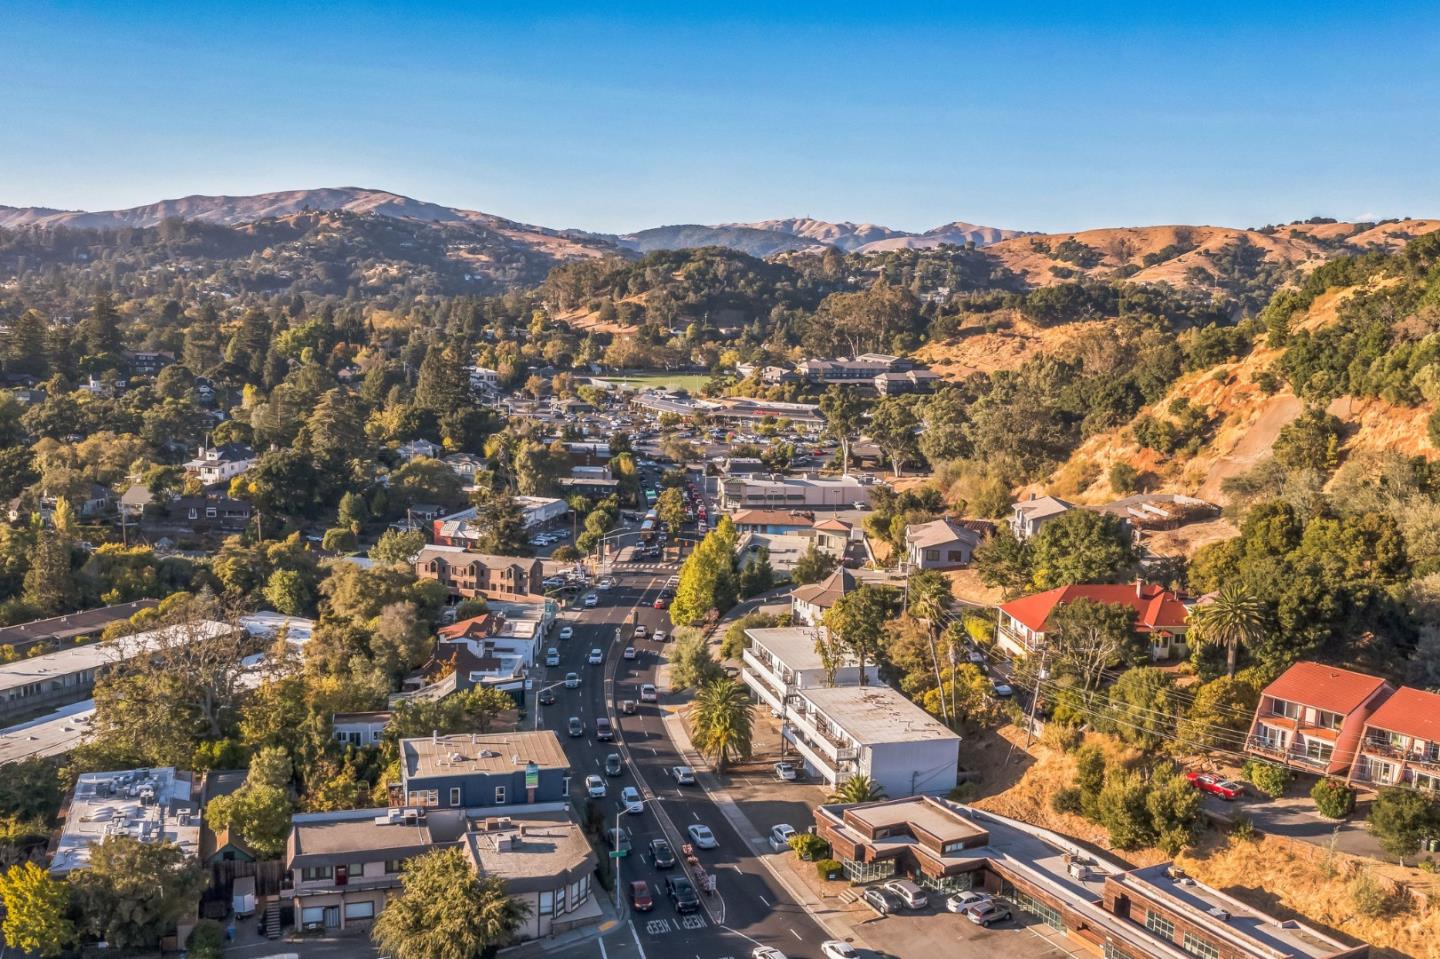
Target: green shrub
(1242, 829)
(1062, 737)
(1066, 800)
(1368, 897)
(1333, 799)
(809, 846)
(206, 941)
(829, 869)
(1270, 779)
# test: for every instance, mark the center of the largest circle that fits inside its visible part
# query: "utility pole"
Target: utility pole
(1035, 700)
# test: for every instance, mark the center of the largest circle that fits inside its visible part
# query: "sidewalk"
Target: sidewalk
(837, 921)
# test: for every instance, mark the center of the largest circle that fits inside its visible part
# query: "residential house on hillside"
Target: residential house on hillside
(220, 464)
(834, 536)
(809, 603)
(944, 543)
(360, 729)
(1027, 517)
(1313, 717)
(466, 573)
(897, 383)
(417, 448)
(1401, 743)
(1161, 616)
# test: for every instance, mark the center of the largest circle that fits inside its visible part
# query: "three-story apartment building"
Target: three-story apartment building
(1312, 717)
(467, 573)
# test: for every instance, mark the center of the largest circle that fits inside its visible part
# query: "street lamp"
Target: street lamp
(537, 699)
(615, 842)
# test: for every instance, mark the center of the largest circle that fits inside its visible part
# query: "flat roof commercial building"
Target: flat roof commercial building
(793, 492)
(1100, 904)
(150, 805)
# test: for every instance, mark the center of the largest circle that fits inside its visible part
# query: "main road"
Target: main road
(749, 907)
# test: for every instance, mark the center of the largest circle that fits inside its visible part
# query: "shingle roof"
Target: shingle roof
(939, 532)
(1410, 712)
(1042, 506)
(1156, 608)
(1325, 687)
(829, 590)
(771, 517)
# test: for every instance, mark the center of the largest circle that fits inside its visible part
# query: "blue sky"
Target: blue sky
(618, 117)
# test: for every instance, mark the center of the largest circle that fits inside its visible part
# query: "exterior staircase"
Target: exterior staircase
(271, 922)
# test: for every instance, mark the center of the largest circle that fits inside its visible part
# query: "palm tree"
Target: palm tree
(930, 600)
(1231, 618)
(722, 720)
(857, 789)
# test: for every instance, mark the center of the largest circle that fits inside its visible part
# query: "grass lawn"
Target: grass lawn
(685, 381)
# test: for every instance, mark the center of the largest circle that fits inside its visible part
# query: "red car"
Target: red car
(1215, 786)
(660, 602)
(640, 899)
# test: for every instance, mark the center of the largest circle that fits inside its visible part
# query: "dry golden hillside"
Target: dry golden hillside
(1002, 340)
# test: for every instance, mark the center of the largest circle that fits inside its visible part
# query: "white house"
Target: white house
(940, 544)
(220, 464)
(1028, 516)
(808, 603)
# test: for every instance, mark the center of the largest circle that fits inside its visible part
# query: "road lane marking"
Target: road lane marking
(763, 899)
(601, 940)
(796, 935)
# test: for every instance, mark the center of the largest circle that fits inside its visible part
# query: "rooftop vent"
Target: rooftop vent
(1222, 914)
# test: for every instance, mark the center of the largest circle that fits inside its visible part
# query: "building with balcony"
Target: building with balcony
(1313, 716)
(780, 663)
(1100, 906)
(467, 573)
(1161, 616)
(1401, 743)
(871, 731)
(220, 464)
(1028, 516)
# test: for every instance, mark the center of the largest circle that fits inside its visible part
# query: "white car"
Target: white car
(595, 658)
(552, 657)
(567, 631)
(684, 775)
(701, 836)
(785, 772)
(591, 600)
(962, 901)
(648, 694)
(780, 836)
(836, 949)
(766, 952)
(595, 786)
(629, 652)
(630, 798)
(659, 636)
(572, 680)
(605, 583)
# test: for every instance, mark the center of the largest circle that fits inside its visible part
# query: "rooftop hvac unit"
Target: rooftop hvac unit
(1222, 914)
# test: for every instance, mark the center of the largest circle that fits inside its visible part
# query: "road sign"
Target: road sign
(616, 854)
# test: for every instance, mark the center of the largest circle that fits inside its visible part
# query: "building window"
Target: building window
(1199, 947)
(1113, 951)
(312, 915)
(1159, 925)
(359, 910)
(393, 866)
(355, 870)
(1044, 911)
(560, 900)
(454, 795)
(932, 554)
(499, 795)
(547, 903)
(312, 873)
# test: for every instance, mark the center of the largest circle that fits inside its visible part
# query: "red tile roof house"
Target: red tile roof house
(1312, 717)
(1401, 743)
(1160, 615)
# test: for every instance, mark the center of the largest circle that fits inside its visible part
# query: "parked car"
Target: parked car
(659, 602)
(572, 680)
(661, 855)
(880, 900)
(785, 772)
(780, 836)
(603, 729)
(836, 949)
(1003, 690)
(907, 892)
(630, 799)
(595, 786)
(566, 632)
(682, 894)
(629, 652)
(591, 601)
(641, 631)
(614, 765)
(1226, 789)
(701, 836)
(575, 727)
(552, 657)
(648, 694)
(962, 901)
(985, 913)
(640, 899)
(684, 775)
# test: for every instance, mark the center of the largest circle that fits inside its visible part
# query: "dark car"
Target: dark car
(614, 766)
(575, 727)
(661, 854)
(547, 697)
(682, 894)
(602, 729)
(640, 899)
(881, 900)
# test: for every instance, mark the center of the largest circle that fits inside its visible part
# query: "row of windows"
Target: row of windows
(350, 870)
(564, 899)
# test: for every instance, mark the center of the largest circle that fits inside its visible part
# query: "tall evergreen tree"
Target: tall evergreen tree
(443, 381)
(26, 351)
(100, 330)
(49, 583)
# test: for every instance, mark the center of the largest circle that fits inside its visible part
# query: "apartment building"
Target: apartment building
(1161, 616)
(1099, 905)
(467, 573)
(479, 770)
(1401, 743)
(781, 662)
(1313, 716)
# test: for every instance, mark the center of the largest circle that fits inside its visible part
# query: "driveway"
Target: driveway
(1294, 817)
